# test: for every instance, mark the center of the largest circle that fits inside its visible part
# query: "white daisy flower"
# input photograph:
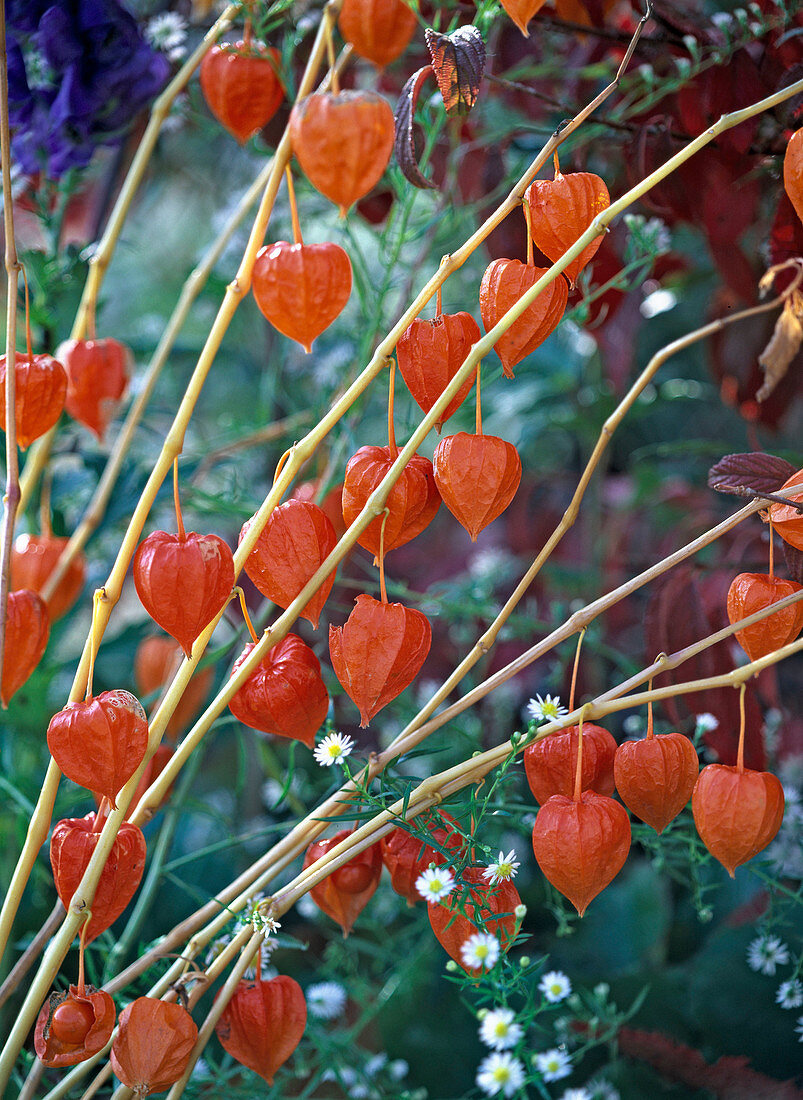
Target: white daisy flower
(499, 1029)
(555, 986)
(503, 869)
(398, 1069)
(553, 1064)
(168, 32)
(799, 1028)
(334, 748)
(576, 1094)
(706, 722)
(480, 951)
(326, 1000)
(435, 883)
(602, 1089)
(500, 1075)
(544, 710)
(790, 994)
(767, 952)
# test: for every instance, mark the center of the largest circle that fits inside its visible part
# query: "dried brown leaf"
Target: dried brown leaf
(404, 145)
(783, 346)
(458, 60)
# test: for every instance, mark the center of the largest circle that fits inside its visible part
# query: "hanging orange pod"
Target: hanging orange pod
(522, 11)
(477, 477)
(99, 743)
(737, 812)
(263, 1023)
(73, 1025)
(72, 845)
(581, 844)
(406, 856)
(379, 30)
(344, 893)
(241, 86)
(787, 521)
(411, 503)
(752, 592)
(429, 354)
(97, 377)
(378, 653)
(27, 631)
(291, 547)
(183, 581)
(483, 907)
(40, 383)
(793, 171)
(503, 284)
(33, 559)
(656, 776)
(155, 662)
(551, 762)
(561, 210)
(302, 288)
(343, 142)
(153, 1044)
(285, 694)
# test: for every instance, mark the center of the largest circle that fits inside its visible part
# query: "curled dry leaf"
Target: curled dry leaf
(403, 142)
(783, 346)
(755, 470)
(458, 61)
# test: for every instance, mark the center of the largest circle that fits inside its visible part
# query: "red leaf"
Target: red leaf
(404, 145)
(458, 60)
(763, 473)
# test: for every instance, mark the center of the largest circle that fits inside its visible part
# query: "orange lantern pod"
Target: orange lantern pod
(33, 559)
(429, 355)
(263, 1024)
(27, 631)
(155, 663)
(551, 762)
(477, 476)
(153, 1044)
(73, 1026)
(503, 284)
(344, 893)
(787, 521)
(40, 390)
(752, 592)
(463, 913)
(97, 377)
(378, 30)
(406, 857)
(561, 210)
(241, 86)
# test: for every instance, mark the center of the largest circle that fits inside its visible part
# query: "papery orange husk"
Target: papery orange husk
(752, 592)
(100, 742)
(291, 547)
(263, 1024)
(285, 694)
(793, 171)
(406, 857)
(561, 210)
(477, 477)
(737, 813)
(302, 288)
(378, 653)
(27, 631)
(183, 583)
(581, 845)
(482, 907)
(72, 845)
(343, 142)
(40, 390)
(503, 284)
(33, 559)
(551, 762)
(241, 86)
(73, 1025)
(344, 893)
(787, 521)
(411, 503)
(153, 1045)
(522, 11)
(429, 354)
(155, 662)
(153, 769)
(655, 776)
(97, 377)
(378, 30)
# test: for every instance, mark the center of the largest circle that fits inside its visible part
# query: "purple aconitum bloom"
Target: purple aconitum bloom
(79, 72)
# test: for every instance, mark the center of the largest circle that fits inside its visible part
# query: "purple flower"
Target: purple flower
(79, 73)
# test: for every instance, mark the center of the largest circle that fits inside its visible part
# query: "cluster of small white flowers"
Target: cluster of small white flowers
(326, 1000)
(765, 953)
(500, 1074)
(168, 32)
(576, 1094)
(790, 994)
(480, 951)
(503, 869)
(602, 1090)
(333, 749)
(553, 1064)
(499, 1029)
(706, 722)
(555, 986)
(545, 710)
(435, 883)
